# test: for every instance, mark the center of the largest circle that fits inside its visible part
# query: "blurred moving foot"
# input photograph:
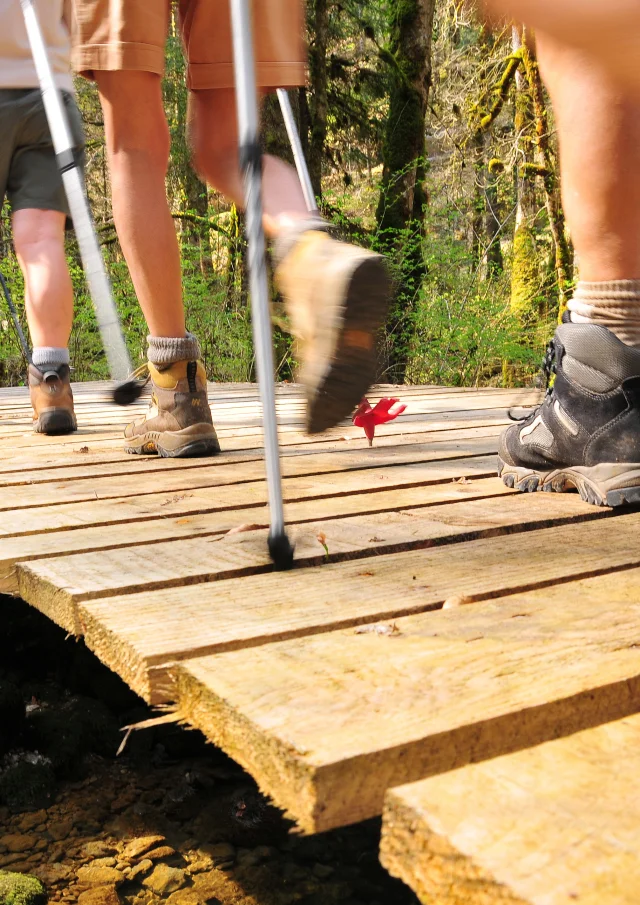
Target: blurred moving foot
(586, 433)
(337, 297)
(52, 400)
(178, 422)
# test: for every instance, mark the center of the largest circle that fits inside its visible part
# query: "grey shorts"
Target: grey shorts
(29, 175)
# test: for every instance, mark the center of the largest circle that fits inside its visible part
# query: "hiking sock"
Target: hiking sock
(163, 351)
(49, 358)
(614, 304)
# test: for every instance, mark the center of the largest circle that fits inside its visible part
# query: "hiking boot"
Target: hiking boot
(178, 423)
(337, 297)
(52, 400)
(586, 433)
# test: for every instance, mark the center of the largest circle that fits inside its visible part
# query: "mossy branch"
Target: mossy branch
(502, 89)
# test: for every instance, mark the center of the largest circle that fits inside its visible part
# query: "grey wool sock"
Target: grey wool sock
(49, 357)
(164, 351)
(614, 305)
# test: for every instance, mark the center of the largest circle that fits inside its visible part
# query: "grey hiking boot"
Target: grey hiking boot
(178, 423)
(337, 297)
(52, 400)
(586, 433)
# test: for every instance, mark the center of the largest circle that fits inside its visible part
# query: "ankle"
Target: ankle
(49, 358)
(164, 351)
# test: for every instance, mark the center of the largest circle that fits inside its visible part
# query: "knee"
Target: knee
(217, 164)
(35, 230)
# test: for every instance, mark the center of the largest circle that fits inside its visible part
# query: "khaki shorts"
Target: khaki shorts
(131, 34)
(29, 175)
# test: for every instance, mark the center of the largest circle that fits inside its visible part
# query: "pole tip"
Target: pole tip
(127, 392)
(281, 551)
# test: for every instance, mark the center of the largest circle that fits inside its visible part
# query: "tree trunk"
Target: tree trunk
(318, 84)
(553, 200)
(402, 199)
(525, 281)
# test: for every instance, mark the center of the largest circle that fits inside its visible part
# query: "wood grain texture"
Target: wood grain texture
(137, 635)
(57, 585)
(235, 498)
(327, 723)
(557, 824)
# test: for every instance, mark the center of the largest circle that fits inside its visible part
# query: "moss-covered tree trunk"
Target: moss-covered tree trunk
(402, 198)
(549, 171)
(318, 84)
(525, 282)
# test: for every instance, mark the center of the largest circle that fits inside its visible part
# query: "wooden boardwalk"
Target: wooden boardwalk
(462, 657)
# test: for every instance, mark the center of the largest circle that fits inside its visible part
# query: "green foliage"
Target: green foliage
(21, 889)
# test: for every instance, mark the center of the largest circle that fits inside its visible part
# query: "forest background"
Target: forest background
(428, 138)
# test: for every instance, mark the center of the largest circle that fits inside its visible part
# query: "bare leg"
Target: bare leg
(599, 131)
(137, 139)
(214, 139)
(38, 237)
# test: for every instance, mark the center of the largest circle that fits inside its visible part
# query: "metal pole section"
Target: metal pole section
(251, 166)
(106, 313)
(24, 345)
(296, 147)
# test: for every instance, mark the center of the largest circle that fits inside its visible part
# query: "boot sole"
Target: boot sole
(55, 422)
(351, 369)
(185, 444)
(607, 484)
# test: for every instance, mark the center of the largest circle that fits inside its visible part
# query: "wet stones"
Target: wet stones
(137, 847)
(99, 875)
(165, 880)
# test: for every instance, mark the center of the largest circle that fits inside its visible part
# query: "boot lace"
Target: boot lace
(548, 369)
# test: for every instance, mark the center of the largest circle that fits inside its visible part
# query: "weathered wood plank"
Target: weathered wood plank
(138, 634)
(163, 504)
(59, 585)
(328, 722)
(552, 825)
(25, 548)
(126, 465)
(225, 473)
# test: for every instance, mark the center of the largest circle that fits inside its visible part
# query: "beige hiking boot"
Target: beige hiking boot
(337, 297)
(178, 423)
(52, 400)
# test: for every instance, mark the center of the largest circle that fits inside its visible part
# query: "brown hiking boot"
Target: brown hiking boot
(337, 297)
(52, 400)
(178, 423)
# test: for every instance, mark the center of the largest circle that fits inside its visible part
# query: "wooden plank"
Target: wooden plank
(292, 443)
(435, 692)
(25, 548)
(224, 473)
(48, 584)
(122, 464)
(139, 634)
(552, 825)
(40, 520)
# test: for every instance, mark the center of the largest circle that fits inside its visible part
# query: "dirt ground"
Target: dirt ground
(169, 820)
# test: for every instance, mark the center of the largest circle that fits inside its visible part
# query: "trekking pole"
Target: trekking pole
(296, 147)
(106, 313)
(280, 547)
(24, 345)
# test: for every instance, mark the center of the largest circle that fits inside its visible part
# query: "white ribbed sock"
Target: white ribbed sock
(49, 357)
(614, 304)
